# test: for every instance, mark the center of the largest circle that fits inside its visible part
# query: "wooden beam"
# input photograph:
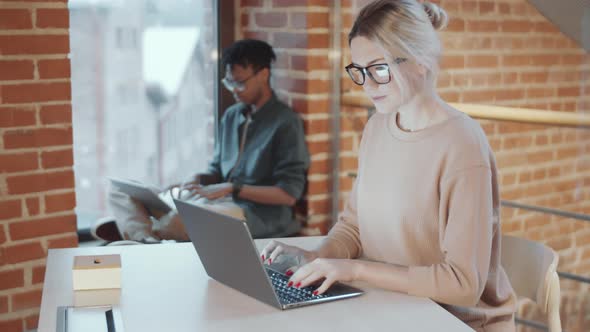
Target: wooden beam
(514, 114)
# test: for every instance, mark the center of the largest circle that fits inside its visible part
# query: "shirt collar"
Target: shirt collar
(262, 110)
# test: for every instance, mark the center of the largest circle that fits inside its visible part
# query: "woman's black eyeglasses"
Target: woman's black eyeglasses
(378, 72)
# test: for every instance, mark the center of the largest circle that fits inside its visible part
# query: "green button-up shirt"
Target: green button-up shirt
(275, 154)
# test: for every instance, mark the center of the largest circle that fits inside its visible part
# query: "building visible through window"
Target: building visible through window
(142, 93)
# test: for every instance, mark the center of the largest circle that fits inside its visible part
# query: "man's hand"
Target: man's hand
(174, 190)
(188, 185)
(214, 191)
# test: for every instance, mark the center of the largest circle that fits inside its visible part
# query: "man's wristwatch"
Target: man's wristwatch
(236, 188)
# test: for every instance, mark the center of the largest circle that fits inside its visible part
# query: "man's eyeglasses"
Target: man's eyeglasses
(238, 86)
(378, 72)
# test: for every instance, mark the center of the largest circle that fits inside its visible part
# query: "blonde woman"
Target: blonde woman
(424, 209)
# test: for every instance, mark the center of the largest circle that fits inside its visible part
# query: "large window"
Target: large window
(143, 93)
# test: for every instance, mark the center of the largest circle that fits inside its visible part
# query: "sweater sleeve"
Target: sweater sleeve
(345, 234)
(466, 223)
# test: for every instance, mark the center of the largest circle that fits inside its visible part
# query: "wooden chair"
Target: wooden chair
(532, 270)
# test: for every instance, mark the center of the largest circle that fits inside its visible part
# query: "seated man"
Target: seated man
(259, 164)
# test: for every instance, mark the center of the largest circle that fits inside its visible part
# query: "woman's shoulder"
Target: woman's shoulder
(466, 128)
(467, 142)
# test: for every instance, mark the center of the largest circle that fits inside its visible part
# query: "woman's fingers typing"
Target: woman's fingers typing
(328, 271)
(311, 279)
(267, 250)
(327, 283)
(291, 270)
(274, 250)
(278, 250)
(301, 275)
(324, 272)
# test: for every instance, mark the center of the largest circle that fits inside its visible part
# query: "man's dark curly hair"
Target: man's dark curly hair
(248, 52)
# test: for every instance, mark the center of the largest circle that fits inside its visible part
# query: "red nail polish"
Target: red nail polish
(263, 257)
(290, 284)
(298, 285)
(315, 292)
(270, 261)
(289, 273)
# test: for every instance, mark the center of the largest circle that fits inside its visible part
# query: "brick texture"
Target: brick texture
(292, 28)
(11, 279)
(36, 158)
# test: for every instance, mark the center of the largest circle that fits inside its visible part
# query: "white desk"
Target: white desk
(165, 288)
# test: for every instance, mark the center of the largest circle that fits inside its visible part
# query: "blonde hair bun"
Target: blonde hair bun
(437, 15)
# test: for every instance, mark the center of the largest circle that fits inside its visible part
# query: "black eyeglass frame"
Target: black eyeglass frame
(365, 71)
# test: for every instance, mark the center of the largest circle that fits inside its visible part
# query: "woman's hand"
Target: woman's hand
(274, 251)
(308, 268)
(326, 269)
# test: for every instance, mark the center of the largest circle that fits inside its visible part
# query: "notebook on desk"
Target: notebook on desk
(228, 254)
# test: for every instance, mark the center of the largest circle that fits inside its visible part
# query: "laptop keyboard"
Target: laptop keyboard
(291, 294)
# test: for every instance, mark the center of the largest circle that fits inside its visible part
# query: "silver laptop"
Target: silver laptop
(142, 193)
(226, 249)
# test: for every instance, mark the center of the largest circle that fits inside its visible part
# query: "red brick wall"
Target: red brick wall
(505, 53)
(299, 31)
(36, 177)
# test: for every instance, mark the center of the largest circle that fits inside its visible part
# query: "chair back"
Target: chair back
(532, 270)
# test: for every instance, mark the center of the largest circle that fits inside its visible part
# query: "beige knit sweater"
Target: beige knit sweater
(429, 200)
